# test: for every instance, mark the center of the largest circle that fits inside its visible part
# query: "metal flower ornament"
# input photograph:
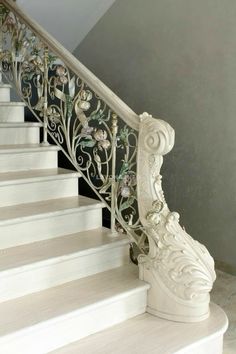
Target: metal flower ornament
(99, 144)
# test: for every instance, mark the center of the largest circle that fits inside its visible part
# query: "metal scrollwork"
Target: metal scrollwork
(77, 119)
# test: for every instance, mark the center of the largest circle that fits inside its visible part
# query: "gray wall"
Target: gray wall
(176, 59)
(68, 21)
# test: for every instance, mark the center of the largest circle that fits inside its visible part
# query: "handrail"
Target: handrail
(108, 96)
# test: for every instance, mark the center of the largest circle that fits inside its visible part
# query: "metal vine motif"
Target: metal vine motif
(77, 119)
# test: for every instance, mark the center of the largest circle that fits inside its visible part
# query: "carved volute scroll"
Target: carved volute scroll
(179, 269)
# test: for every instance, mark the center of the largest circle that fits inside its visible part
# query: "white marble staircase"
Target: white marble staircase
(63, 276)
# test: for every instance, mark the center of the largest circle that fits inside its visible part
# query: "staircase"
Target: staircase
(62, 275)
(67, 285)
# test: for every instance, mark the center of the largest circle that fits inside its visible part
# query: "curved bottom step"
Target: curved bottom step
(149, 334)
(44, 321)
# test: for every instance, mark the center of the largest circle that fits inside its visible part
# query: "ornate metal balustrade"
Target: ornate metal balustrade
(99, 144)
(119, 155)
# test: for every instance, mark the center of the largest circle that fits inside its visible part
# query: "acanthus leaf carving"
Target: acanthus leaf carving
(180, 269)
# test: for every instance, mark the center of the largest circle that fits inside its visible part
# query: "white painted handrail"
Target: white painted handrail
(112, 100)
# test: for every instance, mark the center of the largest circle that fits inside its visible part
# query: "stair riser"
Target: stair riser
(72, 327)
(52, 226)
(4, 94)
(207, 346)
(25, 280)
(30, 192)
(19, 135)
(28, 161)
(12, 114)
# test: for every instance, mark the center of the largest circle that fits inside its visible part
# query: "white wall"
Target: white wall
(69, 21)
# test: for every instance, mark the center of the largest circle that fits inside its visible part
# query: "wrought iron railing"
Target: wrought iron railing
(119, 154)
(84, 123)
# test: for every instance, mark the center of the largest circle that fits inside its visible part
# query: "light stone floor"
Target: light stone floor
(224, 294)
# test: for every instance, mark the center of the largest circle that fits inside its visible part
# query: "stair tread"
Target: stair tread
(3, 85)
(57, 249)
(20, 124)
(149, 334)
(46, 208)
(22, 176)
(12, 103)
(30, 310)
(26, 148)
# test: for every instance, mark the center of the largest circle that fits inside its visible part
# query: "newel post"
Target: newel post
(179, 269)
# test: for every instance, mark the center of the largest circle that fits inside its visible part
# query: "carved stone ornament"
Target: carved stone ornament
(179, 269)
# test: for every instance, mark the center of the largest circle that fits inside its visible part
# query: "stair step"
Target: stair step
(19, 133)
(22, 177)
(45, 321)
(37, 185)
(20, 125)
(41, 265)
(31, 222)
(12, 111)
(149, 334)
(14, 149)
(5, 92)
(27, 156)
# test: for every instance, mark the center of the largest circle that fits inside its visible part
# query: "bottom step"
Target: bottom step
(148, 334)
(44, 321)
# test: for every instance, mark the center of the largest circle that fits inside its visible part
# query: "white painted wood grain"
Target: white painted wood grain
(39, 210)
(5, 93)
(149, 334)
(24, 177)
(41, 265)
(24, 133)
(32, 186)
(12, 111)
(48, 219)
(14, 149)
(27, 157)
(71, 311)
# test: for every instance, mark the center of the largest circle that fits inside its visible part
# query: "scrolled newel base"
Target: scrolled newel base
(179, 269)
(163, 304)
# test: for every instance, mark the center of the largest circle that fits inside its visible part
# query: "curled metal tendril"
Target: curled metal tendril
(77, 118)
